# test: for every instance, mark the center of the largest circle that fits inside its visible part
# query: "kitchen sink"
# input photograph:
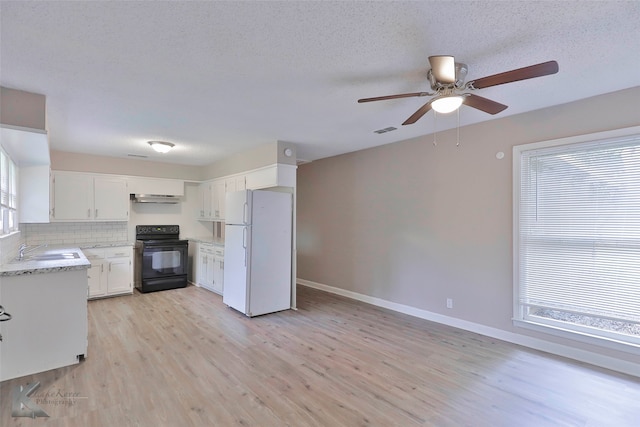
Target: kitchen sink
(53, 257)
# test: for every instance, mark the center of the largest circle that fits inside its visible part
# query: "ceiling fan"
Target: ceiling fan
(447, 79)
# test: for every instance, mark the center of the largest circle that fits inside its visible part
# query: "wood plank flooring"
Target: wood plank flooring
(182, 358)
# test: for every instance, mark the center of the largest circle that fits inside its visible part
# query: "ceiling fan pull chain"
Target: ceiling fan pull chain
(435, 128)
(458, 130)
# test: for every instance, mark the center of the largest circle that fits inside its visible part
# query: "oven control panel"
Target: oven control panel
(157, 229)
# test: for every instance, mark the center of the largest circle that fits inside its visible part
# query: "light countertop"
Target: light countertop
(39, 266)
(103, 245)
(206, 239)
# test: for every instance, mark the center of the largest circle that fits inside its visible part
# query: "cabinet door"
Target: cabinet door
(118, 266)
(72, 197)
(119, 275)
(204, 201)
(96, 274)
(96, 278)
(263, 178)
(218, 199)
(34, 194)
(205, 273)
(111, 199)
(218, 274)
(200, 268)
(210, 278)
(241, 183)
(235, 183)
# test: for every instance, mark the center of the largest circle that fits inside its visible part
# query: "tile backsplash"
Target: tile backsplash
(74, 232)
(9, 247)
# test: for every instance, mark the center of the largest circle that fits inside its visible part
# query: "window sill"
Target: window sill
(5, 236)
(604, 342)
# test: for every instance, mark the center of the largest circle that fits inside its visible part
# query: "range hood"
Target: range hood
(155, 198)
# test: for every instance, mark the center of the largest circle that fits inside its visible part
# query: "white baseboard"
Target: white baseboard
(592, 358)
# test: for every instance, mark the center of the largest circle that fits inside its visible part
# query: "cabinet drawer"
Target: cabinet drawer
(118, 252)
(93, 253)
(207, 248)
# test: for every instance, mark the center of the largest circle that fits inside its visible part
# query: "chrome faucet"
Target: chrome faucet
(23, 250)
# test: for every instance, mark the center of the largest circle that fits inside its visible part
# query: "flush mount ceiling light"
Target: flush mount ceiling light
(446, 104)
(161, 146)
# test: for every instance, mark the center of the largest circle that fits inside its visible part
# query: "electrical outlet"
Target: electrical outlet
(449, 302)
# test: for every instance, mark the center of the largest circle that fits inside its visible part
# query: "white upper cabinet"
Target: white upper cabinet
(111, 199)
(271, 176)
(72, 197)
(211, 200)
(34, 194)
(212, 194)
(87, 197)
(235, 183)
(204, 201)
(152, 186)
(217, 199)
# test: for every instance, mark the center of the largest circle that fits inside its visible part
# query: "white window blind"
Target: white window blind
(578, 254)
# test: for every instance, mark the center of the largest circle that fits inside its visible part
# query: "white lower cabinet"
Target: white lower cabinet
(110, 272)
(218, 270)
(95, 273)
(49, 328)
(210, 267)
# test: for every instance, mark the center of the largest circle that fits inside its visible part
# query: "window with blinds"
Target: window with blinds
(577, 237)
(8, 194)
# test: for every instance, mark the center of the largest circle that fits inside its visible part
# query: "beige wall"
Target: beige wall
(413, 223)
(264, 155)
(65, 161)
(24, 109)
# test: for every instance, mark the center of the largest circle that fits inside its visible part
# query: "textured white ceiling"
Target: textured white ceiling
(217, 78)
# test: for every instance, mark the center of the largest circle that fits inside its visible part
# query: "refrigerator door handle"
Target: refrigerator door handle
(244, 237)
(245, 210)
(244, 244)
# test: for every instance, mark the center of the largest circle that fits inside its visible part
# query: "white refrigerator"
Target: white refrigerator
(257, 251)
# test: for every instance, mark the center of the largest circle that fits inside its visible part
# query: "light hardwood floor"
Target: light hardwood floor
(182, 358)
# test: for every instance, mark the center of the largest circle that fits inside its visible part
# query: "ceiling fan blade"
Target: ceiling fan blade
(483, 104)
(538, 70)
(421, 112)
(443, 68)
(401, 95)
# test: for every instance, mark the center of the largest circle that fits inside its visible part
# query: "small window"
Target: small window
(8, 194)
(577, 238)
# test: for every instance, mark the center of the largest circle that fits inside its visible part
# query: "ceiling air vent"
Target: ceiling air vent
(385, 130)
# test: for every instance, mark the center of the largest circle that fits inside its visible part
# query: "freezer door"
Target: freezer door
(238, 207)
(236, 271)
(270, 253)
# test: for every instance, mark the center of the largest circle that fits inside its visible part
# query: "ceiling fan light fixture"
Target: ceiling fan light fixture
(446, 104)
(161, 146)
